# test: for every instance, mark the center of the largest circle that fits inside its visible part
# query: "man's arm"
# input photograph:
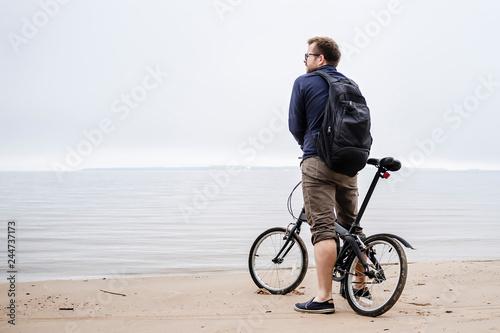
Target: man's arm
(297, 114)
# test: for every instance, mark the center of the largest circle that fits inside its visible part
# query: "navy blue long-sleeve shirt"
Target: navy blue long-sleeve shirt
(307, 104)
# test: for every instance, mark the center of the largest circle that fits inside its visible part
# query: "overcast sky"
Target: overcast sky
(193, 83)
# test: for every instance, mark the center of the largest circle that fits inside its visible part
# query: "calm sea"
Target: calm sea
(96, 224)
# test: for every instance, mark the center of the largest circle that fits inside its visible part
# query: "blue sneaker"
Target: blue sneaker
(316, 307)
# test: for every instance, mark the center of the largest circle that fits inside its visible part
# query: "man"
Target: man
(323, 189)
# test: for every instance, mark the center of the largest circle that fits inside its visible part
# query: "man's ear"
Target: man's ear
(322, 60)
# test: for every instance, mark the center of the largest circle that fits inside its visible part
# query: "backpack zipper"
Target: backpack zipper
(341, 121)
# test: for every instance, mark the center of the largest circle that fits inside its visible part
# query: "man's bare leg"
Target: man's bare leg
(359, 280)
(325, 254)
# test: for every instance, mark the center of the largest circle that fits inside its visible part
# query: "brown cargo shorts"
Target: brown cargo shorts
(328, 195)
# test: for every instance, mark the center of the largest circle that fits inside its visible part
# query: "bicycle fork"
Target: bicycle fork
(289, 243)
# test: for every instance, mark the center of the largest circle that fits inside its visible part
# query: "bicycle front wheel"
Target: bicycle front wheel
(278, 274)
(373, 296)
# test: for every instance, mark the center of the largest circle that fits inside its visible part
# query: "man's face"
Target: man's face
(312, 61)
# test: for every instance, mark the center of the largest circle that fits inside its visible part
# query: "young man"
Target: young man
(324, 190)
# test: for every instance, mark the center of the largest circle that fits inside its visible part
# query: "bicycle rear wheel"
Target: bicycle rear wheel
(378, 294)
(278, 275)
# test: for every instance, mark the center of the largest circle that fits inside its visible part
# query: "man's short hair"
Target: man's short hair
(328, 48)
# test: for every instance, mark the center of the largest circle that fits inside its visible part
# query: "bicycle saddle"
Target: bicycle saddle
(388, 163)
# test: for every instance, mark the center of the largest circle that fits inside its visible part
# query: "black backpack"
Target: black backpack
(344, 139)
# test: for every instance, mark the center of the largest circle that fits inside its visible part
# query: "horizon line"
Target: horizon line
(224, 167)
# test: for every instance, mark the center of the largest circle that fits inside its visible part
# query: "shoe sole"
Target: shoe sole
(366, 300)
(325, 311)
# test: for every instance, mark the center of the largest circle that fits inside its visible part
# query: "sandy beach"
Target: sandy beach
(438, 297)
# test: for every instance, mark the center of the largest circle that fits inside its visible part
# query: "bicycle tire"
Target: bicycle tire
(277, 278)
(386, 288)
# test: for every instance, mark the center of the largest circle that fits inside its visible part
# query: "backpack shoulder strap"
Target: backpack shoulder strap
(330, 79)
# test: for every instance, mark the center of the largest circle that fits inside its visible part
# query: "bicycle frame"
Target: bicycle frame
(372, 271)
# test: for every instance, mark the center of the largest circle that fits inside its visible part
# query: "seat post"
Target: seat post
(366, 200)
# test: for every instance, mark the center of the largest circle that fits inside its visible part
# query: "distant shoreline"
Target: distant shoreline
(214, 167)
(243, 168)
(260, 168)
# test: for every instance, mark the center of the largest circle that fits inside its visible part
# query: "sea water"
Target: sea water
(109, 223)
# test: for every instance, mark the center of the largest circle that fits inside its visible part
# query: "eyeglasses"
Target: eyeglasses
(308, 54)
